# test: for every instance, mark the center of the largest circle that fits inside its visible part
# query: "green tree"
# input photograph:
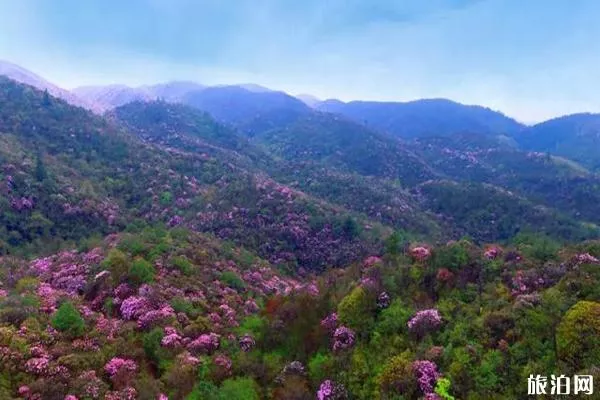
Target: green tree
(68, 319)
(141, 271)
(40, 169)
(356, 310)
(578, 336)
(239, 389)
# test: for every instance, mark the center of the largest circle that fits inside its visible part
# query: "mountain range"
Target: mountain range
(478, 176)
(181, 241)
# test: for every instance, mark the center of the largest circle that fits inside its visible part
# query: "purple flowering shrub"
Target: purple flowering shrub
(425, 321)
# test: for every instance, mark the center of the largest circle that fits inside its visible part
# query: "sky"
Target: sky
(531, 59)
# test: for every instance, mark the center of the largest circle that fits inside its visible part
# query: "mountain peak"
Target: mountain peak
(27, 77)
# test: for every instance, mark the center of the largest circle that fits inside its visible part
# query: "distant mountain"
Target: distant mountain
(575, 136)
(309, 100)
(250, 111)
(172, 91)
(108, 97)
(429, 117)
(112, 96)
(27, 77)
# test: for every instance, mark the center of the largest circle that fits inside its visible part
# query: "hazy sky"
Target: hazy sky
(531, 59)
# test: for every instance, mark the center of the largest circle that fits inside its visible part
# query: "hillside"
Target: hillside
(27, 77)
(170, 314)
(574, 136)
(424, 117)
(542, 178)
(69, 175)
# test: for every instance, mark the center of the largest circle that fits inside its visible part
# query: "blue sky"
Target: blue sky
(532, 59)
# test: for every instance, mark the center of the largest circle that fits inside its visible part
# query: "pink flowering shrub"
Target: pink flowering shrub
(171, 339)
(371, 261)
(420, 253)
(38, 365)
(425, 321)
(343, 338)
(121, 371)
(205, 343)
(492, 253)
(247, 343)
(330, 322)
(329, 390)
(586, 258)
(426, 374)
(223, 361)
(153, 317)
(383, 300)
(132, 307)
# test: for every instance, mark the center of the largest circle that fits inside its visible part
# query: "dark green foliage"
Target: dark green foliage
(183, 264)
(232, 280)
(67, 319)
(539, 247)
(151, 345)
(141, 271)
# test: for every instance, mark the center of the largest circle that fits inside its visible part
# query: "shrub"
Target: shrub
(117, 263)
(239, 389)
(183, 264)
(68, 319)
(232, 280)
(355, 310)
(141, 271)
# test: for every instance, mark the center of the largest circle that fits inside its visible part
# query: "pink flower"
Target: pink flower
(420, 253)
(371, 261)
(247, 343)
(133, 307)
(171, 340)
(152, 317)
(207, 343)
(426, 374)
(492, 253)
(223, 362)
(586, 258)
(330, 390)
(117, 365)
(163, 396)
(424, 321)
(71, 397)
(330, 322)
(23, 390)
(343, 338)
(37, 365)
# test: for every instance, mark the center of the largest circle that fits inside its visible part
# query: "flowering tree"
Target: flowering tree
(427, 374)
(425, 321)
(343, 338)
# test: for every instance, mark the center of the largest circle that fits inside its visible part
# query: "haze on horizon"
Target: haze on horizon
(531, 60)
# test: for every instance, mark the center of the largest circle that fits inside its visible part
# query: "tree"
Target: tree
(355, 310)
(141, 271)
(578, 336)
(40, 169)
(68, 319)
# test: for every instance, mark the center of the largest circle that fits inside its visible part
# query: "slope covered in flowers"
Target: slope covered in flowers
(169, 314)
